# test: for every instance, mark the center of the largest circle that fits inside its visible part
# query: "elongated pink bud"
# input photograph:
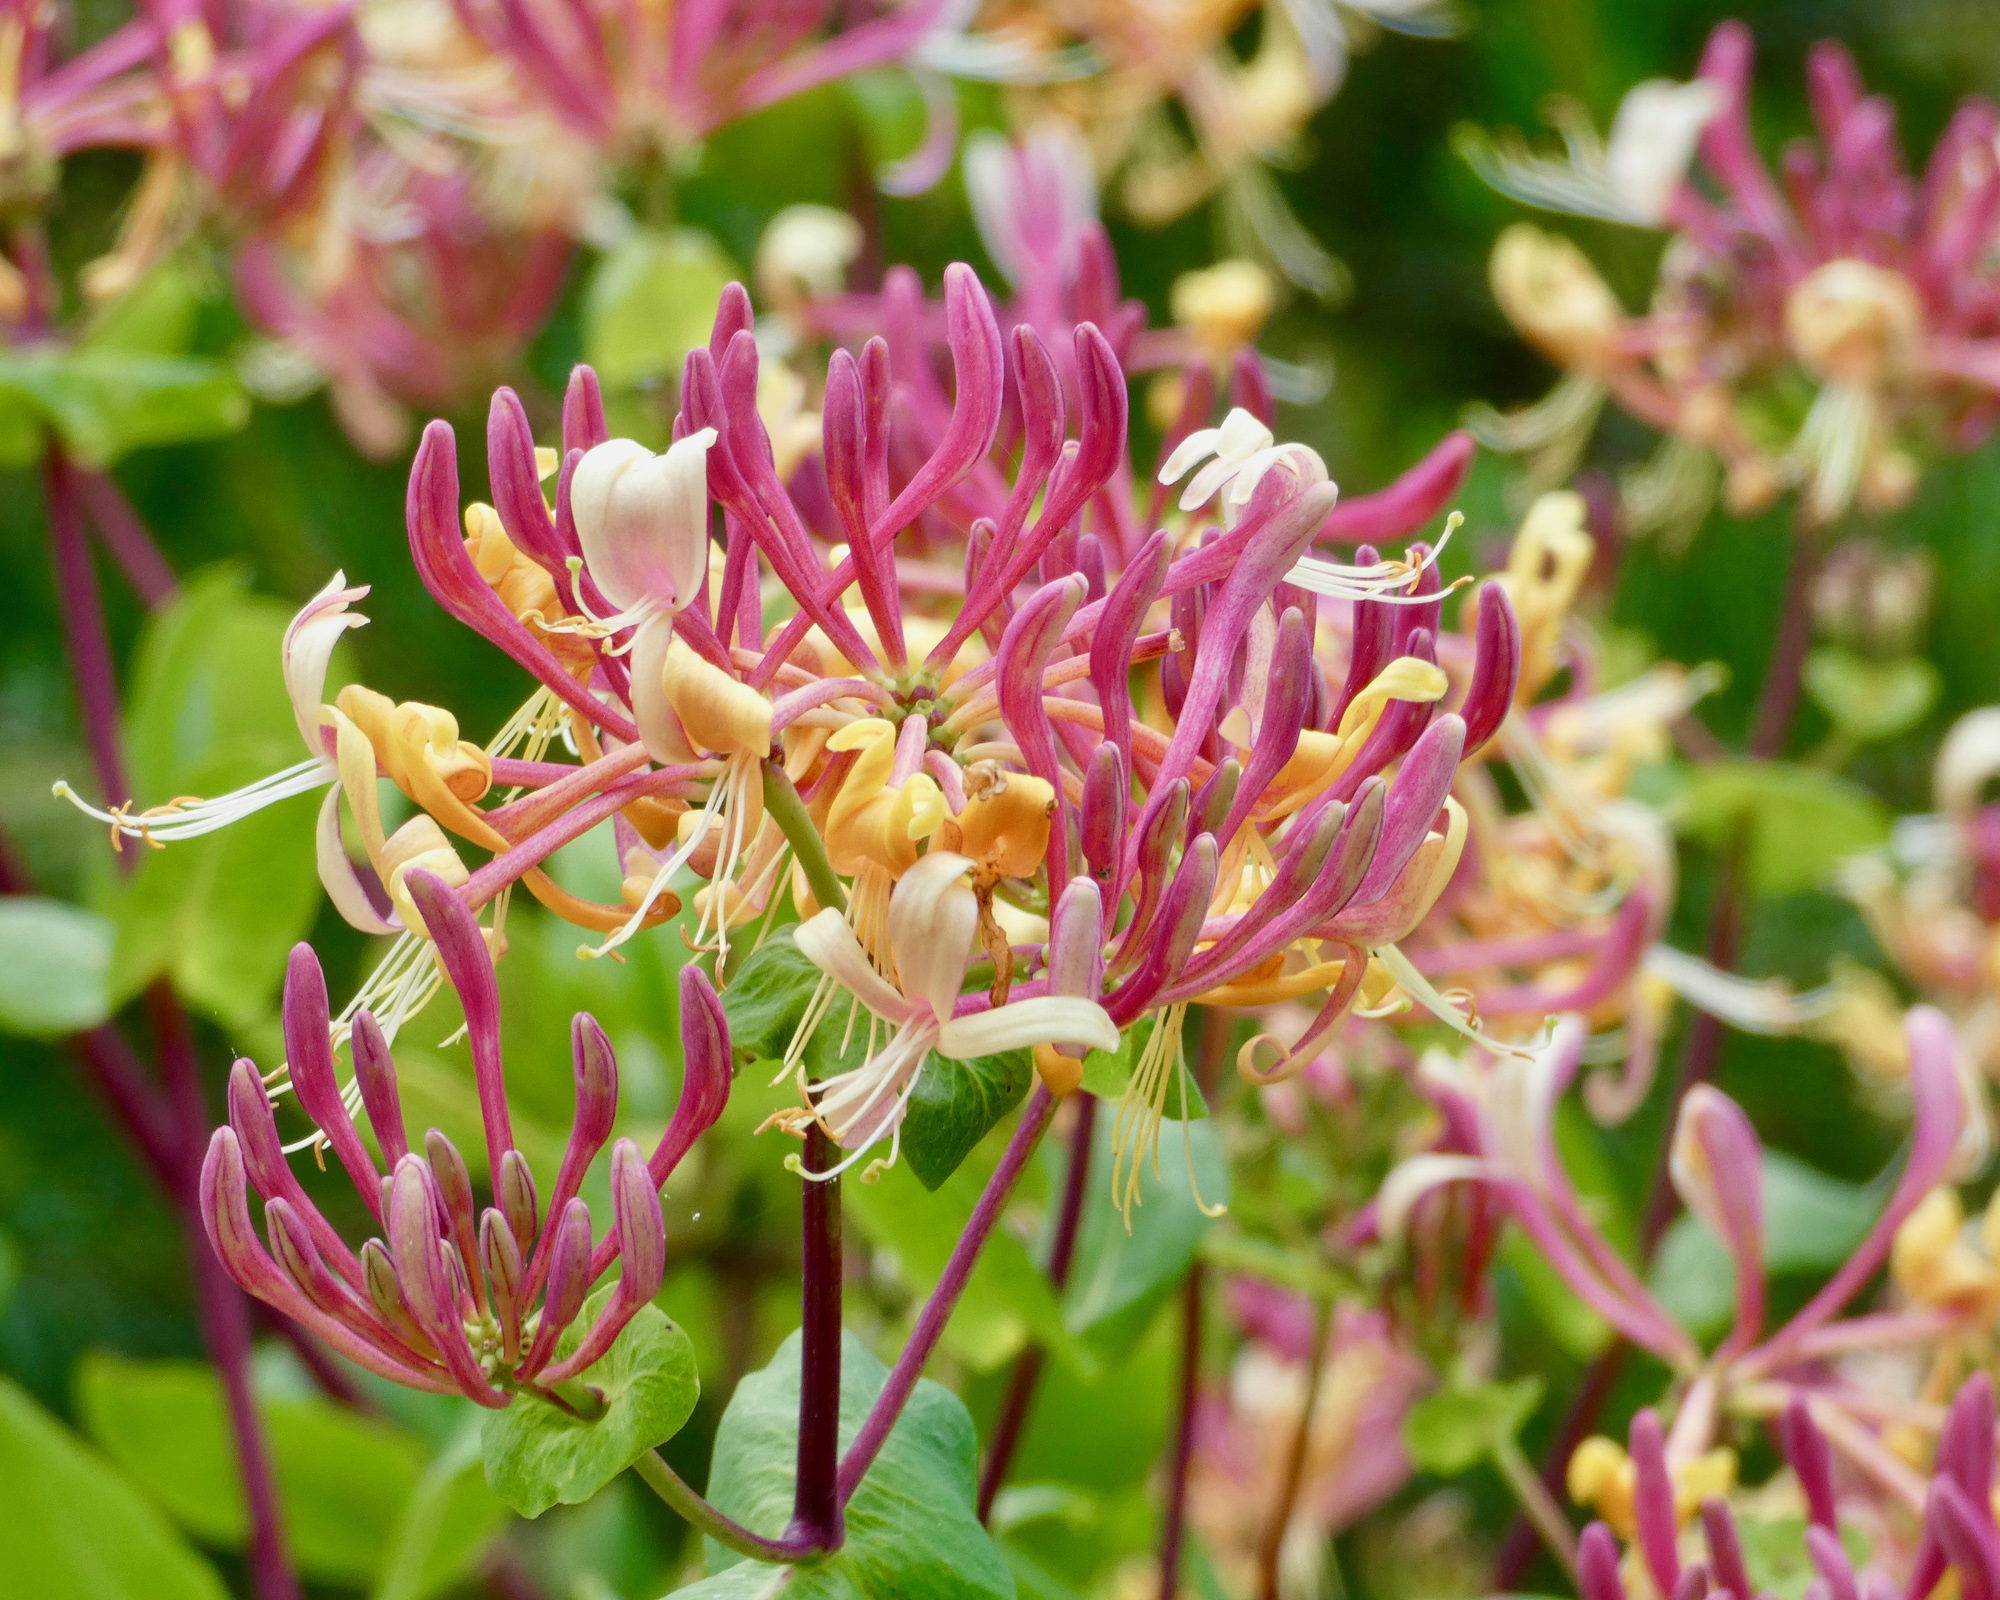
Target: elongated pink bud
(1966, 1533)
(583, 411)
(1597, 1565)
(386, 1295)
(1116, 633)
(1025, 650)
(375, 1072)
(505, 1274)
(1823, 1545)
(1965, 1443)
(1172, 938)
(462, 952)
(1496, 668)
(264, 1155)
(1725, 1549)
(1812, 1459)
(1106, 799)
(517, 484)
(569, 1280)
(429, 1287)
(1415, 798)
(642, 1230)
(1287, 700)
(309, 1056)
(514, 1191)
(1653, 1500)
(1403, 507)
(977, 358)
(454, 1189)
(1716, 1163)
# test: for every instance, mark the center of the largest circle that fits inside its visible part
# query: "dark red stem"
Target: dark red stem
(1013, 1417)
(816, 1501)
(83, 625)
(1173, 1530)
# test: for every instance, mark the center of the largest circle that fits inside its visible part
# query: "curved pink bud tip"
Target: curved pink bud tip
(1415, 798)
(1725, 1548)
(292, 1249)
(517, 483)
(1162, 828)
(1597, 1565)
(978, 367)
(1694, 1583)
(454, 1188)
(1412, 500)
(569, 1271)
(1823, 1545)
(1833, 85)
(413, 1246)
(1076, 940)
(1118, 630)
(1966, 1533)
(309, 1057)
(501, 1262)
(1812, 1459)
(1496, 667)
(375, 1072)
(461, 949)
(1716, 1162)
(844, 440)
(514, 1192)
(595, 1065)
(1044, 413)
(225, 1216)
(583, 425)
(733, 315)
(706, 1068)
(642, 1229)
(1965, 1443)
(1106, 407)
(1653, 1500)
(1288, 697)
(264, 1156)
(1102, 817)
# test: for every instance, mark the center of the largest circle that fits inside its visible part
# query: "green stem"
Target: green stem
(1537, 1503)
(782, 801)
(671, 1487)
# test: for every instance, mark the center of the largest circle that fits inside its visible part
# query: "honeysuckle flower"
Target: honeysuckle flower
(1853, 281)
(931, 925)
(1501, 1138)
(446, 1299)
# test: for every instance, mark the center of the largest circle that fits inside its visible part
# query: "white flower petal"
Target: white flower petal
(1197, 446)
(1041, 1020)
(1653, 138)
(642, 519)
(830, 945)
(933, 920)
(1414, 1179)
(339, 876)
(308, 647)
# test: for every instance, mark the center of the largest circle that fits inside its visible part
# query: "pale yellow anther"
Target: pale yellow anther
(1223, 307)
(1855, 323)
(1549, 290)
(418, 845)
(1322, 757)
(1005, 823)
(719, 713)
(1601, 1476)
(1546, 566)
(1932, 1263)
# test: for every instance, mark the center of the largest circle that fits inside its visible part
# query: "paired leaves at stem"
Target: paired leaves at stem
(954, 1104)
(911, 1528)
(538, 1455)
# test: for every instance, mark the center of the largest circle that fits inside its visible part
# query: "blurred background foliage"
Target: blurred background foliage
(96, 1323)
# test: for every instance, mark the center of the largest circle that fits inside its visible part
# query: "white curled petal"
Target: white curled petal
(1415, 1178)
(339, 877)
(830, 945)
(308, 648)
(1015, 1026)
(1202, 486)
(642, 519)
(1653, 138)
(933, 921)
(1969, 756)
(1197, 446)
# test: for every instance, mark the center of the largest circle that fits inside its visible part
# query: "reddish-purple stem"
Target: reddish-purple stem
(1028, 1368)
(83, 625)
(1173, 1530)
(816, 1499)
(125, 536)
(937, 1310)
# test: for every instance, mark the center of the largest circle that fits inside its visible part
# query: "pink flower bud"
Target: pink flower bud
(1496, 668)
(309, 1056)
(583, 411)
(461, 950)
(375, 1072)
(1653, 1500)
(514, 1191)
(1812, 1459)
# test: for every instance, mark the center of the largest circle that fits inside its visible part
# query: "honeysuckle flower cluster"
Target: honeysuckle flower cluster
(445, 1298)
(1825, 330)
(1498, 1135)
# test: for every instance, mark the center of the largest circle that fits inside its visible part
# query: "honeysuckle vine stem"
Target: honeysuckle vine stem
(671, 1487)
(1273, 1545)
(816, 1500)
(1174, 1525)
(90, 657)
(781, 800)
(937, 1310)
(1028, 1366)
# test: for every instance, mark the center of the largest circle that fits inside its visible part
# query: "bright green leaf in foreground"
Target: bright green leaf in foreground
(342, 1477)
(911, 1528)
(1457, 1428)
(71, 1526)
(55, 960)
(538, 1456)
(651, 300)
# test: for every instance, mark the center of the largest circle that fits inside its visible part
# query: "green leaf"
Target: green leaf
(767, 996)
(1457, 1428)
(107, 402)
(209, 712)
(342, 1478)
(954, 1103)
(1870, 700)
(1108, 1073)
(1557, 1308)
(1119, 1280)
(1811, 1224)
(1007, 1301)
(538, 1456)
(1801, 822)
(155, 317)
(450, 1517)
(911, 1528)
(55, 960)
(1776, 1558)
(72, 1527)
(651, 300)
